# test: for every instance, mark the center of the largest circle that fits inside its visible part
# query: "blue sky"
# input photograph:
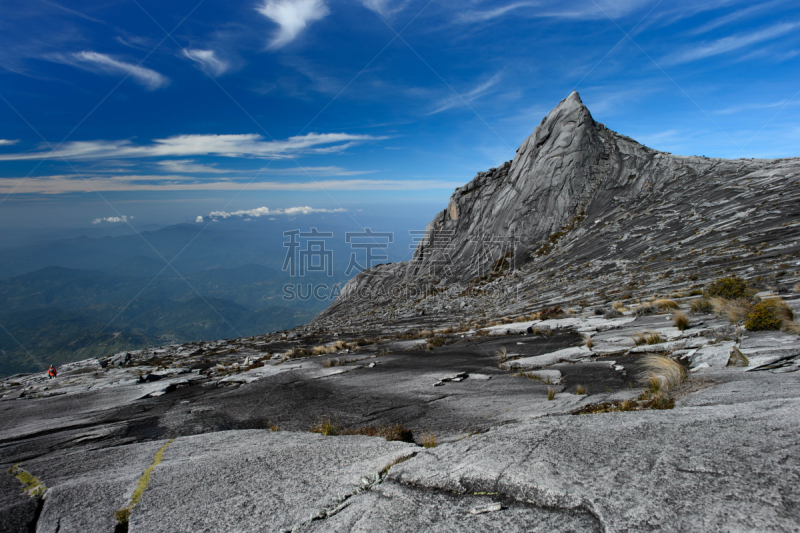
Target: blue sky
(148, 112)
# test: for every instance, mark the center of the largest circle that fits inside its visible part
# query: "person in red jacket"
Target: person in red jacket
(52, 372)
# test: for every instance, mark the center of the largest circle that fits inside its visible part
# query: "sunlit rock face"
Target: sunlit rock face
(580, 211)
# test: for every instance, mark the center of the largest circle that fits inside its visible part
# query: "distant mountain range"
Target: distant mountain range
(83, 296)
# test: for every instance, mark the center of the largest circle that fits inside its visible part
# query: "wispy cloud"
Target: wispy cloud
(386, 8)
(728, 44)
(490, 14)
(314, 171)
(8, 142)
(749, 107)
(71, 184)
(189, 166)
(266, 211)
(474, 94)
(207, 60)
(292, 17)
(111, 220)
(736, 15)
(581, 10)
(95, 61)
(245, 145)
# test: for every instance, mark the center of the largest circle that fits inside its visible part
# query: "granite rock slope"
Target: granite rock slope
(583, 215)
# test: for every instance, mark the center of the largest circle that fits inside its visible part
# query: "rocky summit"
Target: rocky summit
(594, 336)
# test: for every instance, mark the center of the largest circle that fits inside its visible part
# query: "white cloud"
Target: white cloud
(8, 142)
(474, 94)
(149, 78)
(292, 17)
(207, 60)
(385, 8)
(245, 145)
(189, 166)
(728, 44)
(266, 211)
(70, 184)
(111, 220)
(199, 219)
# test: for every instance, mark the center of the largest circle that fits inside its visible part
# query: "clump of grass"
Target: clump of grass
(611, 313)
(648, 337)
(661, 373)
(396, 432)
(581, 390)
(588, 342)
(340, 345)
(701, 305)
(647, 400)
(737, 358)
(328, 363)
(502, 353)
(551, 393)
(426, 333)
(734, 310)
(797, 288)
(645, 309)
(323, 350)
(664, 304)
(428, 440)
(680, 320)
(327, 426)
(619, 306)
(730, 288)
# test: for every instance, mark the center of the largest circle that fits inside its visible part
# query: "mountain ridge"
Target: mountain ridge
(599, 189)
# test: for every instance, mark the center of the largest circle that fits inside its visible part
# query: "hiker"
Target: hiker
(52, 372)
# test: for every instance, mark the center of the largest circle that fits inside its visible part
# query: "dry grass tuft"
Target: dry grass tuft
(551, 393)
(502, 354)
(648, 337)
(327, 426)
(680, 320)
(661, 373)
(396, 432)
(664, 303)
(734, 310)
(581, 389)
(323, 350)
(619, 306)
(428, 440)
(588, 342)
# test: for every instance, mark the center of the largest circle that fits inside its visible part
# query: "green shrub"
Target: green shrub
(763, 318)
(702, 305)
(730, 287)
